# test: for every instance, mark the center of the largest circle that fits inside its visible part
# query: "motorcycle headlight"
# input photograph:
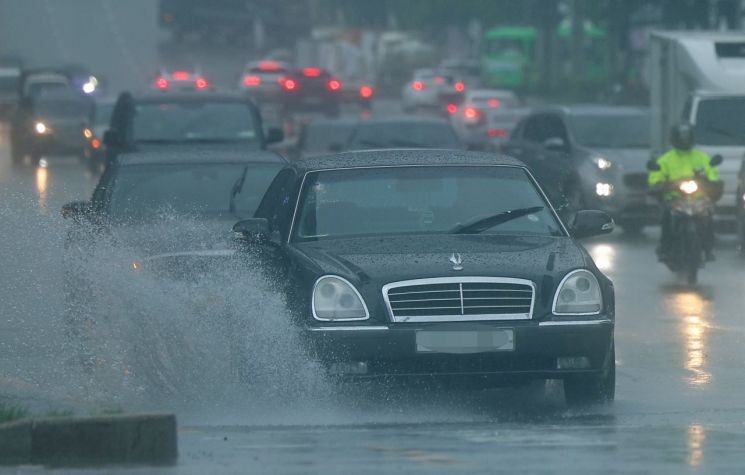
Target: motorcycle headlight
(578, 294)
(335, 299)
(41, 128)
(689, 187)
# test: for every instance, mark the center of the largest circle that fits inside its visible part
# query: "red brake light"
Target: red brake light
(161, 83)
(471, 114)
(501, 133)
(451, 109)
(439, 80)
(181, 75)
(494, 102)
(201, 83)
(268, 66)
(252, 80)
(459, 86)
(334, 85)
(288, 84)
(366, 92)
(311, 72)
(95, 143)
(417, 85)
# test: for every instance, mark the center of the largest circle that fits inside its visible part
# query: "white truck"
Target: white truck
(699, 77)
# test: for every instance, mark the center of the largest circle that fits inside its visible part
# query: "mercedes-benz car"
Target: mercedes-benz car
(437, 264)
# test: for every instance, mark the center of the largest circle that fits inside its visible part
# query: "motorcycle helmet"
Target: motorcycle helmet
(681, 136)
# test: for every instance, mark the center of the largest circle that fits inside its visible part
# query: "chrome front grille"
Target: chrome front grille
(460, 299)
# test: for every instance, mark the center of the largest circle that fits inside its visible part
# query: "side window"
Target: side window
(278, 201)
(540, 128)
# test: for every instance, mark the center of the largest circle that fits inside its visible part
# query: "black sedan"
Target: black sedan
(435, 264)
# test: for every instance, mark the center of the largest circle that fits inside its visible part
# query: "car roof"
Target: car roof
(402, 157)
(196, 155)
(191, 96)
(595, 109)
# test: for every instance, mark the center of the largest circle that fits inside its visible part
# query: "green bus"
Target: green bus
(509, 56)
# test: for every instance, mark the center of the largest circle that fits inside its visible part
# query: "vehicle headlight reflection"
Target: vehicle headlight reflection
(696, 438)
(42, 181)
(692, 307)
(604, 256)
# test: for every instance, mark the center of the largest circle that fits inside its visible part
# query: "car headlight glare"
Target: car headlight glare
(41, 128)
(578, 294)
(603, 163)
(335, 299)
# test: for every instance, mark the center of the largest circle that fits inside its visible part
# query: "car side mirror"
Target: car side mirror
(76, 210)
(590, 222)
(716, 160)
(254, 229)
(653, 166)
(274, 135)
(555, 144)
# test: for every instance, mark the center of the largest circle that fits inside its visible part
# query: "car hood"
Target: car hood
(211, 147)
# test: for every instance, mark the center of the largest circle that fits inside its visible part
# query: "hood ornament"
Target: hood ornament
(457, 261)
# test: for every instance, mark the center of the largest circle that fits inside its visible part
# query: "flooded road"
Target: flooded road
(679, 406)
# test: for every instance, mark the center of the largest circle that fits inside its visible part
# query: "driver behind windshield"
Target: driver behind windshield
(683, 162)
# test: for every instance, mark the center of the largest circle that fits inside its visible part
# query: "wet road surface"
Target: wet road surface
(679, 406)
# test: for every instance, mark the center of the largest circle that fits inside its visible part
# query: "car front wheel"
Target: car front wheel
(594, 388)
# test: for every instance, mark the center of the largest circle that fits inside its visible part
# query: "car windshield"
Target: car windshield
(612, 130)
(146, 193)
(404, 134)
(719, 121)
(325, 137)
(194, 121)
(415, 200)
(62, 108)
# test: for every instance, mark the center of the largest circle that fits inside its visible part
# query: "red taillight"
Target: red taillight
(288, 84)
(494, 102)
(451, 109)
(366, 92)
(268, 66)
(439, 80)
(201, 83)
(471, 114)
(334, 85)
(95, 143)
(252, 80)
(501, 133)
(161, 83)
(311, 72)
(417, 85)
(181, 75)
(459, 87)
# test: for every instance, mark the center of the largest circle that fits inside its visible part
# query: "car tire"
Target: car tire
(596, 388)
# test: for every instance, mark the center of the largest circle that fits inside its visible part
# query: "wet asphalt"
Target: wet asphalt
(679, 408)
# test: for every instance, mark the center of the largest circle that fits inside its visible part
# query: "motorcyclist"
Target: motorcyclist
(683, 162)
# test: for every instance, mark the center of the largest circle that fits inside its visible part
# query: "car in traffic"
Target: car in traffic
(40, 81)
(436, 265)
(51, 123)
(606, 149)
(322, 136)
(432, 90)
(474, 119)
(408, 131)
(262, 80)
(311, 89)
(181, 80)
(182, 119)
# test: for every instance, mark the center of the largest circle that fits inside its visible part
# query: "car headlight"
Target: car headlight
(335, 299)
(578, 294)
(602, 163)
(41, 128)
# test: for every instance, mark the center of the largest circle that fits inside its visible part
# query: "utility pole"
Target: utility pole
(577, 44)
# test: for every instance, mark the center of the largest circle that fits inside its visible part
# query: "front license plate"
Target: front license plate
(464, 342)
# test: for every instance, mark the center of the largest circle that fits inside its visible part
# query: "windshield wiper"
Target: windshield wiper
(237, 188)
(483, 224)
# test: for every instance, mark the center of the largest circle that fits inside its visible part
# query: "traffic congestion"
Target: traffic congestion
(329, 236)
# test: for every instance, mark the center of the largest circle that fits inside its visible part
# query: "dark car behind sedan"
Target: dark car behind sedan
(437, 264)
(403, 132)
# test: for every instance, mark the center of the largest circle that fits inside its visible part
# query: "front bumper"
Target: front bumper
(390, 351)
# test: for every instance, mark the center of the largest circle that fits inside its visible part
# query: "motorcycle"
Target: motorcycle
(690, 217)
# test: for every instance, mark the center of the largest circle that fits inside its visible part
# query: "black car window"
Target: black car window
(543, 127)
(144, 193)
(404, 134)
(719, 121)
(414, 200)
(278, 201)
(193, 121)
